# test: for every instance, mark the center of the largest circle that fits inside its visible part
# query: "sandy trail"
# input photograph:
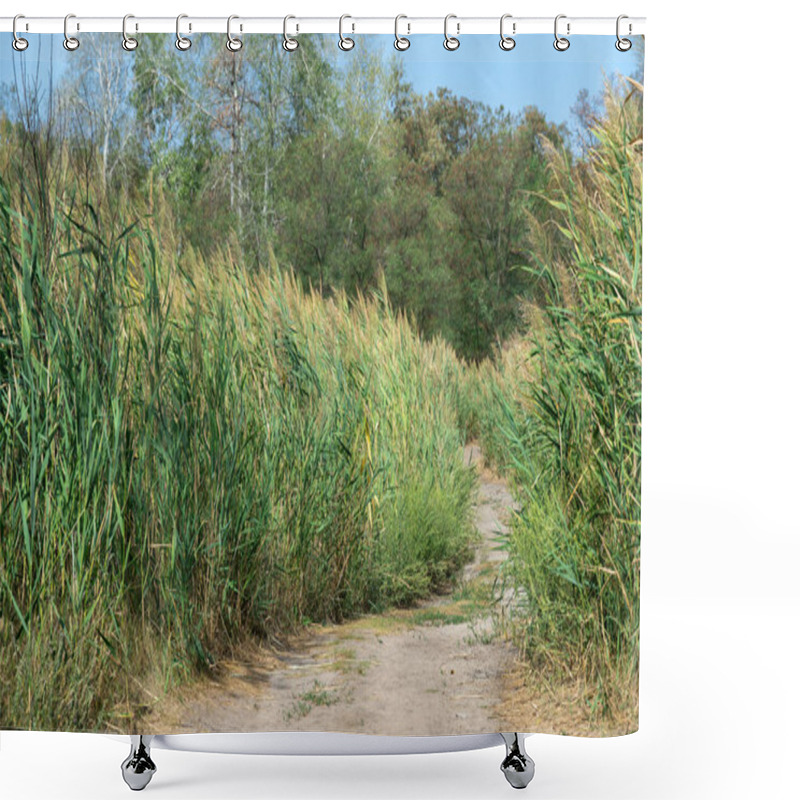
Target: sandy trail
(441, 667)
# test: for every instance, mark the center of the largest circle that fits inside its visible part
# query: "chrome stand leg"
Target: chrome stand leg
(517, 766)
(138, 768)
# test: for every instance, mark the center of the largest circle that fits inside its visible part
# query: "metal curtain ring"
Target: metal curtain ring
(400, 42)
(18, 43)
(561, 43)
(623, 45)
(289, 44)
(182, 42)
(70, 42)
(234, 43)
(507, 42)
(128, 42)
(451, 42)
(345, 42)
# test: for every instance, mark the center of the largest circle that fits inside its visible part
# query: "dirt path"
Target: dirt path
(441, 667)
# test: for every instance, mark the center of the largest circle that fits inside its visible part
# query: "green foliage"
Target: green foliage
(337, 167)
(433, 199)
(197, 446)
(192, 455)
(572, 429)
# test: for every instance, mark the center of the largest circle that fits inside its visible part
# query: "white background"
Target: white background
(721, 605)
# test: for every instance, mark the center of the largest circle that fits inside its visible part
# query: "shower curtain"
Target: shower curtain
(320, 383)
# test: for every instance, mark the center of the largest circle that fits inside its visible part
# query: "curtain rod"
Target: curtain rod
(631, 26)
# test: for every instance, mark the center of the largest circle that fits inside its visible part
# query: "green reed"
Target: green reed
(191, 456)
(567, 425)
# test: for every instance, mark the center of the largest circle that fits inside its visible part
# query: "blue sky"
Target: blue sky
(533, 73)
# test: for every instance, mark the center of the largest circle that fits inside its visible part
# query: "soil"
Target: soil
(445, 666)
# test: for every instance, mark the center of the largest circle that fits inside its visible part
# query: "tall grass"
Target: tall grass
(568, 429)
(190, 456)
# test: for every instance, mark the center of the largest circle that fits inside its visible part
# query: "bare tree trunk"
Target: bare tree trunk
(236, 146)
(234, 131)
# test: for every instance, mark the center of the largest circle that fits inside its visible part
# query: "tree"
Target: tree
(98, 103)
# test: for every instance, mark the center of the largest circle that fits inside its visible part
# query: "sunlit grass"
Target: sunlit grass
(192, 455)
(566, 424)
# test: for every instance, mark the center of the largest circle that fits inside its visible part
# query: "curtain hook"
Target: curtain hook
(18, 43)
(183, 43)
(71, 43)
(234, 43)
(345, 42)
(623, 45)
(400, 42)
(451, 42)
(507, 42)
(289, 44)
(128, 42)
(561, 43)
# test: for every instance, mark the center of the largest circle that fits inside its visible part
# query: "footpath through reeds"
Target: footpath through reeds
(193, 456)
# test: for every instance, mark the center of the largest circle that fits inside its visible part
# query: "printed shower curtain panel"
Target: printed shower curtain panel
(320, 385)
